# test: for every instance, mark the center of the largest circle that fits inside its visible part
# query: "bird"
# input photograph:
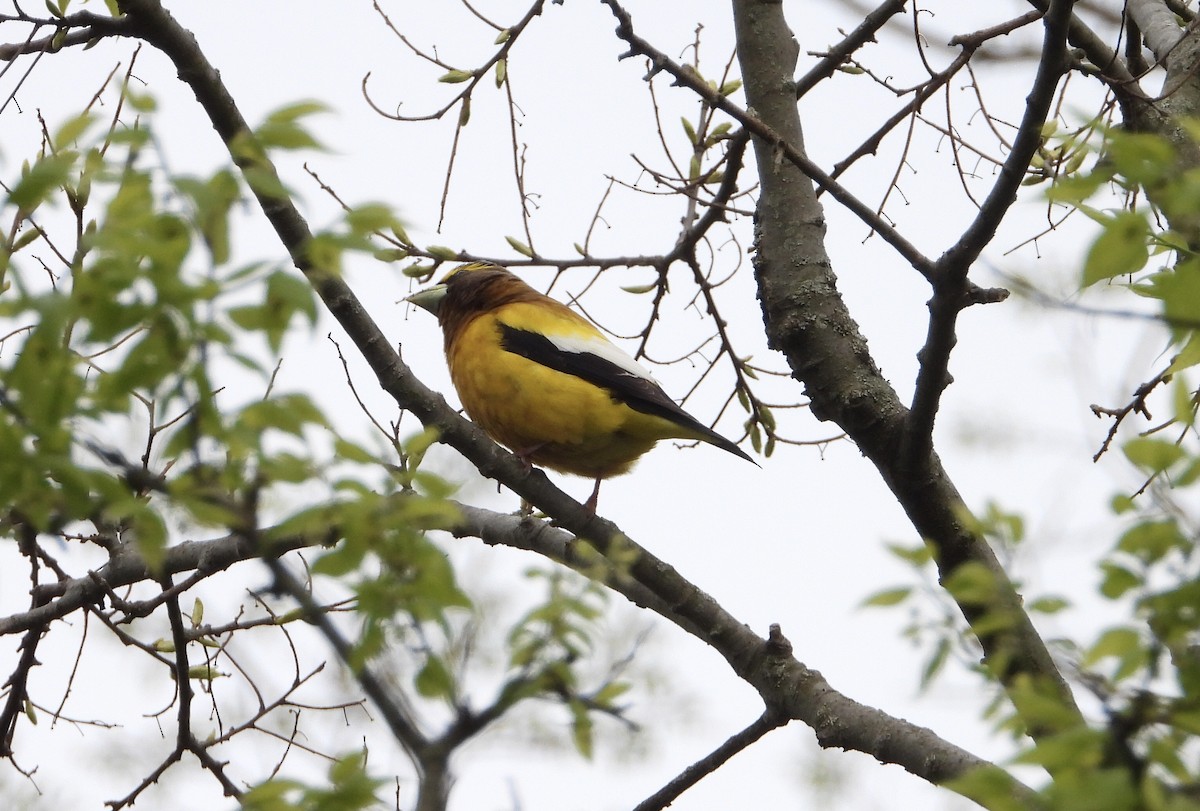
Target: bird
(542, 380)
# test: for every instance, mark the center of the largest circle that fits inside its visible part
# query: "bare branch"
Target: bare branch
(782, 147)
(708, 764)
(951, 291)
(57, 600)
(835, 56)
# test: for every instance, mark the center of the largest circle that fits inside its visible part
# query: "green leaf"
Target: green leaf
(1049, 605)
(610, 692)
(1187, 357)
(1117, 580)
(689, 130)
(282, 129)
(1123, 644)
(918, 555)
(519, 247)
(972, 584)
(442, 252)
(1179, 290)
(390, 254)
(289, 413)
(43, 177)
(581, 727)
(1120, 249)
(990, 788)
(1152, 454)
(434, 679)
(457, 76)
(71, 130)
(936, 662)
(1150, 541)
(370, 218)
(296, 111)
(501, 71)
(1078, 748)
(353, 452)
(887, 597)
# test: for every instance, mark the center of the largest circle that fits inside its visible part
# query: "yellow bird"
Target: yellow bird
(543, 380)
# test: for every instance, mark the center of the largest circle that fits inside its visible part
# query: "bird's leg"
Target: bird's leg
(523, 454)
(526, 454)
(590, 504)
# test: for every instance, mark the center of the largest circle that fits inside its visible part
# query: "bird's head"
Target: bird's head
(471, 289)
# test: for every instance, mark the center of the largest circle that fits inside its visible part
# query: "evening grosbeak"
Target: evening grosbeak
(541, 379)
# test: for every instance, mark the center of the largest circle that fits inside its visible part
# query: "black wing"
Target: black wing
(637, 392)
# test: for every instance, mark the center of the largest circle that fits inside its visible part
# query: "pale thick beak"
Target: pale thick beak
(429, 299)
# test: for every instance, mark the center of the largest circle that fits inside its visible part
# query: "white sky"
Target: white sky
(800, 542)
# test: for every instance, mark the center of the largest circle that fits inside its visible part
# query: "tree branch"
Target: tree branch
(708, 764)
(782, 148)
(833, 58)
(57, 600)
(74, 29)
(403, 726)
(807, 320)
(1158, 26)
(789, 689)
(951, 290)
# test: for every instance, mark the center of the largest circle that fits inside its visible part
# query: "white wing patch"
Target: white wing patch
(601, 348)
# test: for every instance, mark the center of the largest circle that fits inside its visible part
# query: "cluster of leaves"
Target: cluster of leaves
(139, 316)
(349, 788)
(1135, 249)
(131, 318)
(123, 312)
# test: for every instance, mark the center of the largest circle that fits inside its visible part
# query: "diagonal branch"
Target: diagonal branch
(862, 34)
(709, 763)
(403, 726)
(951, 290)
(790, 690)
(781, 147)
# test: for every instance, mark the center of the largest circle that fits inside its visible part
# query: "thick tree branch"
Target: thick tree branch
(807, 319)
(789, 689)
(1158, 26)
(74, 29)
(57, 600)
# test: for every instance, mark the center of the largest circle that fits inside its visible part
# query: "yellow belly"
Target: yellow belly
(549, 417)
